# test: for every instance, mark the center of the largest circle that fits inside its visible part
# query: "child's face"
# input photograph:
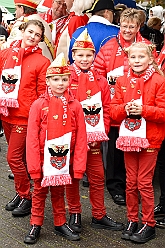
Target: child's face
(31, 36)
(83, 58)
(139, 59)
(58, 84)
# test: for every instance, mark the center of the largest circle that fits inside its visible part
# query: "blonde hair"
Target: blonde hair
(130, 14)
(149, 49)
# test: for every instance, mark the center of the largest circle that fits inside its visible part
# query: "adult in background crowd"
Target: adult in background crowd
(27, 10)
(56, 10)
(22, 72)
(99, 26)
(55, 16)
(155, 23)
(145, 31)
(75, 19)
(111, 62)
(119, 8)
(3, 30)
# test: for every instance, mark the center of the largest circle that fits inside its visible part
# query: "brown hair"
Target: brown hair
(27, 10)
(153, 21)
(149, 49)
(130, 14)
(142, 16)
(24, 26)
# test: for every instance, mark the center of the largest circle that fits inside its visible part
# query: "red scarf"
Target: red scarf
(47, 16)
(89, 95)
(60, 27)
(132, 134)
(57, 144)
(60, 124)
(11, 75)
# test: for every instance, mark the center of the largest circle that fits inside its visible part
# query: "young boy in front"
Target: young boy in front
(93, 93)
(56, 143)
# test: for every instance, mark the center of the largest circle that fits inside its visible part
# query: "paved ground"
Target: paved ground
(13, 230)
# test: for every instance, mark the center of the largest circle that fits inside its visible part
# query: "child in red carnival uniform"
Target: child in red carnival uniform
(56, 141)
(139, 105)
(92, 91)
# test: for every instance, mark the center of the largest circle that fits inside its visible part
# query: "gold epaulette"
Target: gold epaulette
(49, 46)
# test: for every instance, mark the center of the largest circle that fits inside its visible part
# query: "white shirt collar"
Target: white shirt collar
(96, 18)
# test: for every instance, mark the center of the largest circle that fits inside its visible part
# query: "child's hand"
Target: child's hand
(128, 107)
(136, 109)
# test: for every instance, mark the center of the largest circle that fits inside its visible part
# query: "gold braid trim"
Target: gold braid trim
(92, 6)
(49, 46)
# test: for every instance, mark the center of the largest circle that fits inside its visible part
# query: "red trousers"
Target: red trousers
(140, 168)
(95, 173)
(16, 139)
(38, 204)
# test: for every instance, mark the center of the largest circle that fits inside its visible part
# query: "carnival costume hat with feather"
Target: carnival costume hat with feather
(29, 3)
(59, 131)
(84, 41)
(100, 5)
(89, 93)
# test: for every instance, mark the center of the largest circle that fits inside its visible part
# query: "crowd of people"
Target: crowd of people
(82, 95)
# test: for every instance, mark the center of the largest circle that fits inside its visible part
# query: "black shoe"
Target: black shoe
(107, 223)
(24, 208)
(11, 176)
(158, 211)
(144, 234)
(119, 199)
(160, 223)
(130, 229)
(33, 235)
(67, 232)
(11, 205)
(75, 222)
(85, 180)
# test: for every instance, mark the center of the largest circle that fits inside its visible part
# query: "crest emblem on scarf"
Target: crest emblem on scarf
(132, 124)
(112, 89)
(111, 82)
(9, 82)
(92, 116)
(58, 155)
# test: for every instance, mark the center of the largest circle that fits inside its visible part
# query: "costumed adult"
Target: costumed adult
(57, 9)
(3, 30)
(111, 62)
(56, 16)
(27, 10)
(75, 19)
(22, 69)
(99, 26)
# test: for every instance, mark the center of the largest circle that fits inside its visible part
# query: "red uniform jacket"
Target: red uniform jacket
(105, 94)
(32, 85)
(36, 134)
(103, 58)
(153, 109)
